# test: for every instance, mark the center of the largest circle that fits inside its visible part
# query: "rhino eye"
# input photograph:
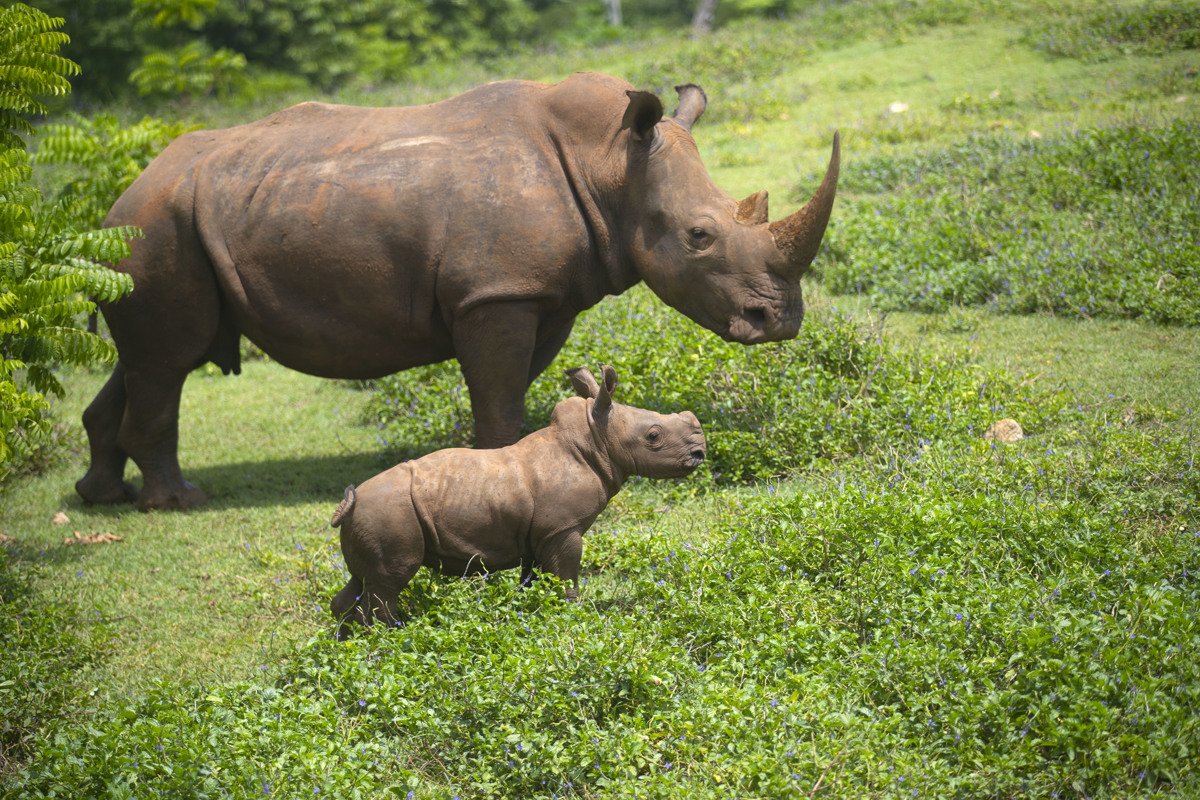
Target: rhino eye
(700, 238)
(653, 436)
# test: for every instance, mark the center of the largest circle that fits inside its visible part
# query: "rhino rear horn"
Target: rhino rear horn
(692, 102)
(753, 210)
(798, 237)
(604, 397)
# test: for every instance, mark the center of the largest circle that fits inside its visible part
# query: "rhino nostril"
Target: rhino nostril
(698, 455)
(755, 315)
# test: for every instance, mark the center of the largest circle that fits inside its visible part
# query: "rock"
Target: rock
(60, 519)
(1005, 430)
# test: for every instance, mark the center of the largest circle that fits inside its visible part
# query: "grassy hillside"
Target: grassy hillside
(869, 600)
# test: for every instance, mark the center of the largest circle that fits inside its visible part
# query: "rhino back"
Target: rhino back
(337, 229)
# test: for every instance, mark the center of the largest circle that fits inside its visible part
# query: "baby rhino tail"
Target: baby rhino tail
(343, 508)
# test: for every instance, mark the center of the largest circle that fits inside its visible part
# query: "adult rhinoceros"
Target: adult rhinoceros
(356, 242)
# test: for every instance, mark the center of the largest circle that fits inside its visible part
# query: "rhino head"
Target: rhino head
(717, 260)
(635, 440)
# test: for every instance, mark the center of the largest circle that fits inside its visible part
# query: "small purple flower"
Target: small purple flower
(362, 703)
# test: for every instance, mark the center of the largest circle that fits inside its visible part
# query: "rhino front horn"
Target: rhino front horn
(798, 237)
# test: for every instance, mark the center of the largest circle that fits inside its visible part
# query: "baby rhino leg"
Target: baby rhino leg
(383, 546)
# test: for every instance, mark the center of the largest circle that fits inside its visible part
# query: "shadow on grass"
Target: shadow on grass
(271, 482)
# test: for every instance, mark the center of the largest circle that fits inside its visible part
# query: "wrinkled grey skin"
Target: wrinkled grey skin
(355, 242)
(469, 511)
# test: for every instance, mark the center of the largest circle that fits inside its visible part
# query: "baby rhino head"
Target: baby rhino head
(637, 441)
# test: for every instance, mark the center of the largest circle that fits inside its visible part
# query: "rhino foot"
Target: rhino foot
(186, 496)
(105, 491)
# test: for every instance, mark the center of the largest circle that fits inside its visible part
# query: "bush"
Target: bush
(1144, 28)
(835, 392)
(104, 157)
(956, 621)
(48, 264)
(47, 652)
(1097, 222)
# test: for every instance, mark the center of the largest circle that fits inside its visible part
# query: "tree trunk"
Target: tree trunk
(702, 22)
(614, 12)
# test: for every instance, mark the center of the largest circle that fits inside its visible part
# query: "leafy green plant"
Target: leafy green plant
(1116, 29)
(1096, 222)
(48, 266)
(47, 652)
(956, 619)
(835, 392)
(105, 156)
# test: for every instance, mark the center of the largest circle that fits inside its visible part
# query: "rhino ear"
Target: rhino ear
(604, 398)
(642, 114)
(584, 382)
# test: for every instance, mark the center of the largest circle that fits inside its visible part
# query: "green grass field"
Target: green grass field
(924, 615)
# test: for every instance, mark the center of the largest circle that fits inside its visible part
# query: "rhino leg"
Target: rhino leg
(497, 377)
(104, 481)
(347, 607)
(547, 348)
(561, 557)
(150, 435)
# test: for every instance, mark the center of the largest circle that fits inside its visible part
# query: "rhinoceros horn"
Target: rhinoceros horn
(799, 236)
(692, 102)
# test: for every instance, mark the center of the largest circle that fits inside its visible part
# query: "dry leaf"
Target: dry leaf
(60, 519)
(92, 538)
(6, 539)
(898, 107)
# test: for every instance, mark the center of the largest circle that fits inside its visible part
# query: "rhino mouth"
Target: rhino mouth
(758, 323)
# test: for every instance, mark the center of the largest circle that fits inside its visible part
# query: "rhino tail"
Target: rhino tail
(344, 507)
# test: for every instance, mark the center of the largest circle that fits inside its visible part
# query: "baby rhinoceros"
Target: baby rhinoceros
(468, 511)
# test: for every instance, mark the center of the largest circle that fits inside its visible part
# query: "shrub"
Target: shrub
(47, 652)
(768, 410)
(1097, 222)
(1112, 30)
(969, 621)
(105, 158)
(48, 266)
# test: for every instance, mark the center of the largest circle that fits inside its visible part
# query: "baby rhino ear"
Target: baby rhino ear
(584, 382)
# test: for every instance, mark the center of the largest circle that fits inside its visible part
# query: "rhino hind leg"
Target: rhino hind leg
(104, 481)
(363, 602)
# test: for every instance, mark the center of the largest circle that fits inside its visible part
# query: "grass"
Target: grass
(695, 666)
(233, 580)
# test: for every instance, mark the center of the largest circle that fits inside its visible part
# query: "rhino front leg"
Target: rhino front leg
(494, 344)
(561, 556)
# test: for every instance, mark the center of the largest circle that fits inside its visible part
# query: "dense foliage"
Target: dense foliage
(1113, 30)
(981, 621)
(103, 157)
(47, 651)
(834, 392)
(49, 265)
(1100, 221)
